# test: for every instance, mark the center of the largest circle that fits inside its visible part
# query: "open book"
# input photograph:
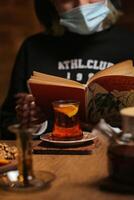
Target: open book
(103, 94)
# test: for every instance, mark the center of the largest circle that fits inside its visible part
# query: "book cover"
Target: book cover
(45, 94)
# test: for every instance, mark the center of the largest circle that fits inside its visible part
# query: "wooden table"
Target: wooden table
(77, 178)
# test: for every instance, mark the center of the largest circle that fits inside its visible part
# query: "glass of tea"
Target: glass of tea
(66, 120)
(121, 152)
(127, 115)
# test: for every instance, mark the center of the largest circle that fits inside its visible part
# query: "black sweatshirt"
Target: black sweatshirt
(71, 56)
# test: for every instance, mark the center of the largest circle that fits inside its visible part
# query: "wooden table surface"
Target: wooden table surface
(76, 177)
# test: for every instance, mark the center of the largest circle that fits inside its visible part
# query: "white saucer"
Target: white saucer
(88, 137)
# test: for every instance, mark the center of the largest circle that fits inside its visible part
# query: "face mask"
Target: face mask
(85, 19)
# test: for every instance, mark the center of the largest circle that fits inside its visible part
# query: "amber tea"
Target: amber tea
(66, 123)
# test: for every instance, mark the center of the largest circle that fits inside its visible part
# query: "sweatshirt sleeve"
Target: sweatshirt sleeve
(17, 84)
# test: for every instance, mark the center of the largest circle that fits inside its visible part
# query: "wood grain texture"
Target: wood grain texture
(77, 177)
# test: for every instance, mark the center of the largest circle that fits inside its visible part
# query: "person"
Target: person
(80, 38)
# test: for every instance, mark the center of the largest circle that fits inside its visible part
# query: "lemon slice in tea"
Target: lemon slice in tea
(68, 109)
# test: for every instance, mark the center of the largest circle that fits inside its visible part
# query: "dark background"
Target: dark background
(18, 20)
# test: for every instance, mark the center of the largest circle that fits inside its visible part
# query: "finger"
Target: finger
(23, 98)
(22, 108)
(20, 98)
(29, 98)
(33, 105)
(20, 95)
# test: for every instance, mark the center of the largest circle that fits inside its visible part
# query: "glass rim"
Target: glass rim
(16, 128)
(65, 101)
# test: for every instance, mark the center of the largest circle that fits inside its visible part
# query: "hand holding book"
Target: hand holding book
(28, 112)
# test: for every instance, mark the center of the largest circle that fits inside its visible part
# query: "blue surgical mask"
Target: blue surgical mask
(85, 19)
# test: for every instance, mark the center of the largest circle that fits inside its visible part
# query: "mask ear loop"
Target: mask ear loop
(106, 2)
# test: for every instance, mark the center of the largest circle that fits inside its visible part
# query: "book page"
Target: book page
(124, 68)
(36, 80)
(107, 100)
(55, 80)
(111, 90)
(118, 82)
